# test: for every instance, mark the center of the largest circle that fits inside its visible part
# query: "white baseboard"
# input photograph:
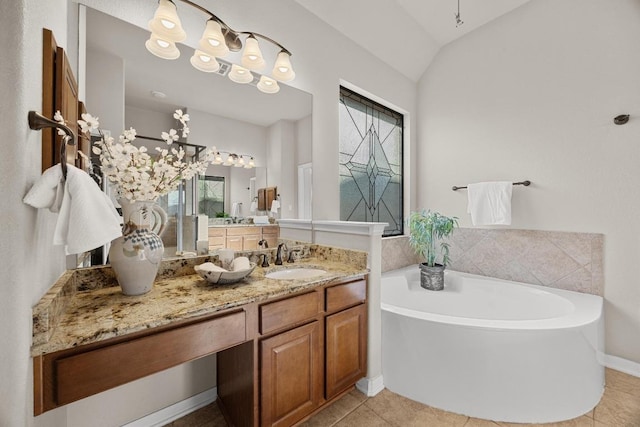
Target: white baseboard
(622, 365)
(177, 410)
(370, 386)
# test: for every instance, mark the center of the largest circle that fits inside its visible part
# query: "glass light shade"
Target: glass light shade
(204, 62)
(218, 158)
(239, 74)
(240, 163)
(162, 48)
(268, 85)
(230, 160)
(251, 56)
(282, 69)
(166, 23)
(212, 40)
(252, 163)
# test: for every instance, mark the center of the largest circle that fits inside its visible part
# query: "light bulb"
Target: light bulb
(166, 23)
(204, 62)
(268, 85)
(239, 74)
(212, 41)
(282, 69)
(162, 48)
(252, 57)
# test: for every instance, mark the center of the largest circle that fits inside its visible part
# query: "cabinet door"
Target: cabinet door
(270, 234)
(291, 375)
(234, 242)
(346, 349)
(250, 243)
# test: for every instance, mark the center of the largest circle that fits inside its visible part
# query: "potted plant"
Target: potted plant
(426, 231)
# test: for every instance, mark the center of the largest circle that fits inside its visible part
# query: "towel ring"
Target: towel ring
(37, 122)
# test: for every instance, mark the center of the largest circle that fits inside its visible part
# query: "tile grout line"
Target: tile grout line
(349, 413)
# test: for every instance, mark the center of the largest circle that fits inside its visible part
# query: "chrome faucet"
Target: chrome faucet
(263, 243)
(279, 253)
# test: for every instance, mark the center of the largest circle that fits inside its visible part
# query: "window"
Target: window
(371, 139)
(211, 195)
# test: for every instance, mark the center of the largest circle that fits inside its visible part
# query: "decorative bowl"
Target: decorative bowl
(211, 273)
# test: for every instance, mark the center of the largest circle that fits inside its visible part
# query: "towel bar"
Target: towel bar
(37, 122)
(525, 183)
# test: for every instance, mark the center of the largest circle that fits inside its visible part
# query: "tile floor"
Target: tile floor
(619, 407)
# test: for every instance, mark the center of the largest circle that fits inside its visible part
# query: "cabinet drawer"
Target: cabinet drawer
(217, 232)
(345, 295)
(271, 231)
(241, 231)
(88, 373)
(280, 314)
(217, 241)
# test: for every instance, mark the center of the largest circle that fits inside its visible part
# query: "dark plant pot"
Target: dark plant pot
(432, 278)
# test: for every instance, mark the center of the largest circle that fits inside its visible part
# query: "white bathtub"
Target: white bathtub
(491, 348)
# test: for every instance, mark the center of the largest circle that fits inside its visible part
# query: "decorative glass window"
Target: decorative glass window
(211, 196)
(371, 139)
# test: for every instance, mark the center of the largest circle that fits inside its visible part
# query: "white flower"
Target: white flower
(132, 171)
(88, 123)
(170, 137)
(58, 118)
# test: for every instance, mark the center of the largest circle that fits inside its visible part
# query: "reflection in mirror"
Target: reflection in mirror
(126, 86)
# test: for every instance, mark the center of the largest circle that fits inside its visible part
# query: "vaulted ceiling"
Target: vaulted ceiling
(407, 34)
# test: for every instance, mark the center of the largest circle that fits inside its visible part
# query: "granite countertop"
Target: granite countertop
(65, 319)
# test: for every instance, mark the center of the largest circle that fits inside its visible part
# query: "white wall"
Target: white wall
(532, 96)
(282, 167)
(147, 123)
(104, 90)
(26, 235)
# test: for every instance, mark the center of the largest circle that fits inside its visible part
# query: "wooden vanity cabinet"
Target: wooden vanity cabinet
(291, 375)
(270, 235)
(321, 354)
(217, 238)
(278, 361)
(346, 336)
(242, 238)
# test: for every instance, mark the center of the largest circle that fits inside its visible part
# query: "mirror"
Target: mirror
(126, 86)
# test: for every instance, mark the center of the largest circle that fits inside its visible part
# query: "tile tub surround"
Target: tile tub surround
(86, 305)
(564, 260)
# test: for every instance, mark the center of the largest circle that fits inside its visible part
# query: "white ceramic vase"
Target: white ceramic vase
(135, 257)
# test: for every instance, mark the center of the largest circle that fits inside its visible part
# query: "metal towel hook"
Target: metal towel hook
(38, 122)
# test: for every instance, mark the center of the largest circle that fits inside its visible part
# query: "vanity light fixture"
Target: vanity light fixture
(233, 159)
(204, 62)
(268, 85)
(218, 39)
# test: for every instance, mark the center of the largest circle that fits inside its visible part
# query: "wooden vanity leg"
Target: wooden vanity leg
(236, 384)
(38, 387)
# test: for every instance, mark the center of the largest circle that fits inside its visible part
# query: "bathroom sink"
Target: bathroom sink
(295, 274)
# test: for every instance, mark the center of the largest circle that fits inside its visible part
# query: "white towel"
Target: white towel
(275, 205)
(490, 203)
(47, 191)
(235, 210)
(86, 218)
(254, 207)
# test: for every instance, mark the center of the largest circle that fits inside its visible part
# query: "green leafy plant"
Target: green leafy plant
(426, 229)
(222, 215)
